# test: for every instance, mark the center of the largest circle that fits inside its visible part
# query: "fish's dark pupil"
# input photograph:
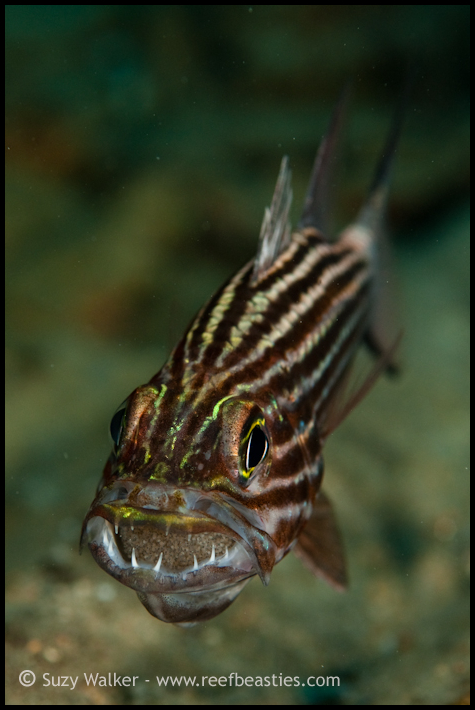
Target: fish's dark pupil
(256, 448)
(116, 425)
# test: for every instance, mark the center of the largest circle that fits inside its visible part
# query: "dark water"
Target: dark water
(142, 145)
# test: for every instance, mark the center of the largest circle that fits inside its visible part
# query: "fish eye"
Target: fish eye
(256, 446)
(117, 424)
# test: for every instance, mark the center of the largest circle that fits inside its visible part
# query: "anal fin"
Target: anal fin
(320, 547)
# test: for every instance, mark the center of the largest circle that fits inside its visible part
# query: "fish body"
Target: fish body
(216, 469)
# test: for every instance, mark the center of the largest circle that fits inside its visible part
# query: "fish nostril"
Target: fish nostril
(121, 493)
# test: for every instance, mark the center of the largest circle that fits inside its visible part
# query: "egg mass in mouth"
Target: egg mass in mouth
(176, 551)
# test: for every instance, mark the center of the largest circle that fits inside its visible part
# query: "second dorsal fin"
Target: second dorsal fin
(316, 204)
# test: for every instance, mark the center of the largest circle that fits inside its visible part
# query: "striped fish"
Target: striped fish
(216, 467)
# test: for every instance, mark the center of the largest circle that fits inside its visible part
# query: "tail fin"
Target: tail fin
(372, 213)
(381, 333)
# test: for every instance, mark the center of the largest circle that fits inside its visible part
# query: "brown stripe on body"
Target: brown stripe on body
(233, 304)
(194, 336)
(295, 255)
(294, 326)
(288, 493)
(275, 310)
(283, 365)
(275, 368)
(216, 320)
(292, 462)
(172, 372)
(252, 363)
(323, 310)
(335, 350)
(210, 351)
(326, 389)
(286, 530)
(303, 364)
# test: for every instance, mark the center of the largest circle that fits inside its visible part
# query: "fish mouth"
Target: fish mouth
(160, 540)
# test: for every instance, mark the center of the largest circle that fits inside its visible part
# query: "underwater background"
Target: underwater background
(142, 145)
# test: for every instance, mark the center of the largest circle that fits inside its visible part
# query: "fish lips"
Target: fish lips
(160, 540)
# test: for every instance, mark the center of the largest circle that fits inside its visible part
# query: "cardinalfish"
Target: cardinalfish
(216, 468)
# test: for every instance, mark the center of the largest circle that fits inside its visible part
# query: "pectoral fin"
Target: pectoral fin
(320, 547)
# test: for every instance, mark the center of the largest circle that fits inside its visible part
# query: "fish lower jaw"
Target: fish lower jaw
(113, 549)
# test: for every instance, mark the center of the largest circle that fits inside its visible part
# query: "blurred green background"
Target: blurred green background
(142, 145)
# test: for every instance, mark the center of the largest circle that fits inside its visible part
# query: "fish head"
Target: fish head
(189, 508)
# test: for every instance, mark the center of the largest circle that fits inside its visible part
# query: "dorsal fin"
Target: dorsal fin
(315, 208)
(275, 232)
